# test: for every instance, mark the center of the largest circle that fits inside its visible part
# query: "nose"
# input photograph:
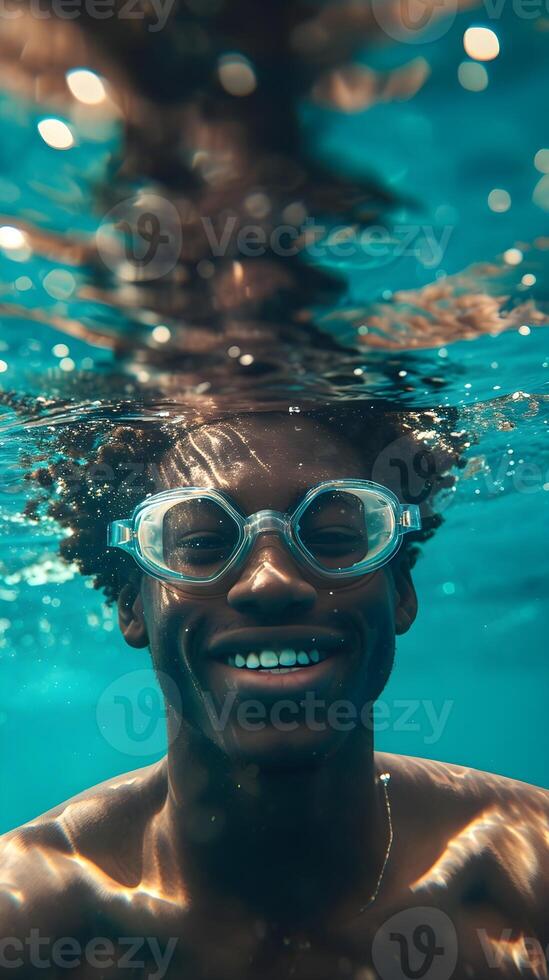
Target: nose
(271, 584)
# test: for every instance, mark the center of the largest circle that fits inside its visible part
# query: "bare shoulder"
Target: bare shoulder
(62, 853)
(487, 832)
(463, 785)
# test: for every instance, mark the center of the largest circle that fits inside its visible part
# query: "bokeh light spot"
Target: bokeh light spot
(472, 76)
(499, 200)
(86, 86)
(481, 43)
(236, 74)
(56, 134)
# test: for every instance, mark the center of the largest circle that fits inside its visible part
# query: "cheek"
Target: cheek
(168, 616)
(378, 614)
(370, 603)
(172, 618)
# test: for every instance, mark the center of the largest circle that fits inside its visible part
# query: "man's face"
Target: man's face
(271, 603)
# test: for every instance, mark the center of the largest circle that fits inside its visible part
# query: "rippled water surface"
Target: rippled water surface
(430, 293)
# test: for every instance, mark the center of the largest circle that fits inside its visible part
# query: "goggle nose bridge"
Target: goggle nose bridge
(267, 520)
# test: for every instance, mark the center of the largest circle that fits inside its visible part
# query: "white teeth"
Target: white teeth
(276, 662)
(268, 658)
(287, 658)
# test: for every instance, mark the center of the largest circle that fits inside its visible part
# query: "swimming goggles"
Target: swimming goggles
(195, 536)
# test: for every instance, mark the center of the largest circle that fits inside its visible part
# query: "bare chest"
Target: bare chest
(436, 938)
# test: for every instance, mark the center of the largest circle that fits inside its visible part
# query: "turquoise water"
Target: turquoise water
(470, 680)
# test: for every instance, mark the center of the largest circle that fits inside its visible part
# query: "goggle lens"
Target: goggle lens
(196, 537)
(340, 528)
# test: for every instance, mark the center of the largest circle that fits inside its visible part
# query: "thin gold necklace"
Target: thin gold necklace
(384, 779)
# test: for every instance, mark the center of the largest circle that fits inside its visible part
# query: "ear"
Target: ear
(405, 596)
(130, 617)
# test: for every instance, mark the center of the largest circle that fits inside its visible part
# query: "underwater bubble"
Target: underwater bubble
(541, 193)
(472, 76)
(499, 200)
(513, 256)
(60, 350)
(59, 283)
(541, 161)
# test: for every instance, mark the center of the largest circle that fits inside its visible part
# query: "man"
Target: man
(272, 841)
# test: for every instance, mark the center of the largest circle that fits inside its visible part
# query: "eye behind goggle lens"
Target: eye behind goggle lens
(342, 528)
(195, 537)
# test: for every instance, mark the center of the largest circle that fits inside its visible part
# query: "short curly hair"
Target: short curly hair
(96, 472)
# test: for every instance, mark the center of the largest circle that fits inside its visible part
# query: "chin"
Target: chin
(287, 720)
(274, 751)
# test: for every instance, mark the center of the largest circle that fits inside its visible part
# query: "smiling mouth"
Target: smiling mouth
(286, 661)
(254, 654)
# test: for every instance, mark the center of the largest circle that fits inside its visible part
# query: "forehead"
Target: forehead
(260, 461)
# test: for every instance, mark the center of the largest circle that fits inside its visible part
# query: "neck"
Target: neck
(272, 839)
